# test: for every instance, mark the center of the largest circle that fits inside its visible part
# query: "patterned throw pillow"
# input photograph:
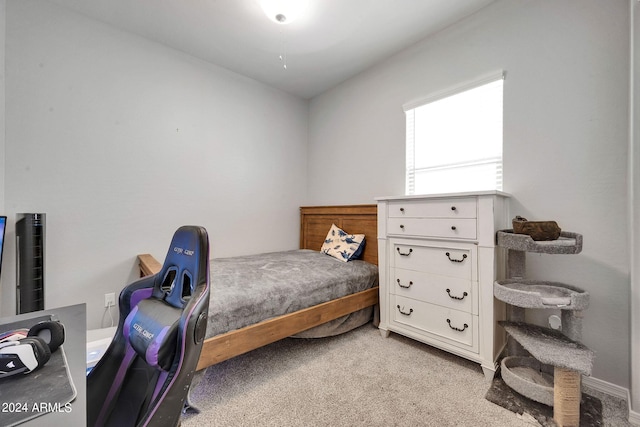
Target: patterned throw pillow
(341, 245)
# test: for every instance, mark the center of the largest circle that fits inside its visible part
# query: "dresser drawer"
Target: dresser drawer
(451, 292)
(436, 208)
(453, 325)
(439, 260)
(452, 228)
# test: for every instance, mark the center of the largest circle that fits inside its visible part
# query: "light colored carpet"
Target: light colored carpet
(355, 379)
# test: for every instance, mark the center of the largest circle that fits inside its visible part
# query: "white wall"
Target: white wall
(120, 141)
(565, 138)
(634, 209)
(3, 4)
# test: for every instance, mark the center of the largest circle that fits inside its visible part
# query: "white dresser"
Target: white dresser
(438, 261)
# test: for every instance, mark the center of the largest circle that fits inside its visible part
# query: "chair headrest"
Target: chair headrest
(180, 273)
(152, 330)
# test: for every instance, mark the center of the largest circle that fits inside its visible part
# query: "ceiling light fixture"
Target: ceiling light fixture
(283, 11)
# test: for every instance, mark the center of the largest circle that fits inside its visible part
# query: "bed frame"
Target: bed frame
(315, 222)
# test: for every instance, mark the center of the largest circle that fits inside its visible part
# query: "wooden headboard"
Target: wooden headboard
(315, 222)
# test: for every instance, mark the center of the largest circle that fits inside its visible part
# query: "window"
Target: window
(454, 139)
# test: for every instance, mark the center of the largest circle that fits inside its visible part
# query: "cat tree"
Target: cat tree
(543, 364)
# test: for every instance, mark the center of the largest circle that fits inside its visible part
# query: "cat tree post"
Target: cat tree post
(566, 397)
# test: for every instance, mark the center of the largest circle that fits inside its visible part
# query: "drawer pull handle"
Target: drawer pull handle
(406, 286)
(402, 210)
(464, 294)
(453, 208)
(405, 254)
(404, 312)
(464, 256)
(453, 327)
(453, 227)
(402, 227)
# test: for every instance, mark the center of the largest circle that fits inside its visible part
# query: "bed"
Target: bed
(310, 313)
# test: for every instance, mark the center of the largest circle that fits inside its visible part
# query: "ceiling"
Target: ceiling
(333, 41)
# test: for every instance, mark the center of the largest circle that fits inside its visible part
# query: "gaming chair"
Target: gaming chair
(144, 377)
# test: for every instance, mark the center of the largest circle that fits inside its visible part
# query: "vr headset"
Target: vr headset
(23, 351)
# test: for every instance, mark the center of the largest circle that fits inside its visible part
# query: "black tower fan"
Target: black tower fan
(30, 239)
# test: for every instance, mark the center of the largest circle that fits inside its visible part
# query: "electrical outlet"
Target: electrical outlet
(109, 300)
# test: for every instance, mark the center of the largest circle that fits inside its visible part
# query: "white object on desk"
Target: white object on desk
(98, 341)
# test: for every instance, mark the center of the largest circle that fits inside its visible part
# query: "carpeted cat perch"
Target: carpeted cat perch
(543, 364)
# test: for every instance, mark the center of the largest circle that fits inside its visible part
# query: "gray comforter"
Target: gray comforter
(248, 289)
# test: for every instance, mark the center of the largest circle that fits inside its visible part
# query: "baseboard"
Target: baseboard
(606, 387)
(613, 390)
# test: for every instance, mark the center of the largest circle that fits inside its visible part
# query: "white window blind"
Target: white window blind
(454, 139)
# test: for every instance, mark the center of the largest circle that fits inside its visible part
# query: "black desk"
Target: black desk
(74, 319)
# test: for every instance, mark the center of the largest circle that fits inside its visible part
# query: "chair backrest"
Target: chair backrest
(145, 374)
